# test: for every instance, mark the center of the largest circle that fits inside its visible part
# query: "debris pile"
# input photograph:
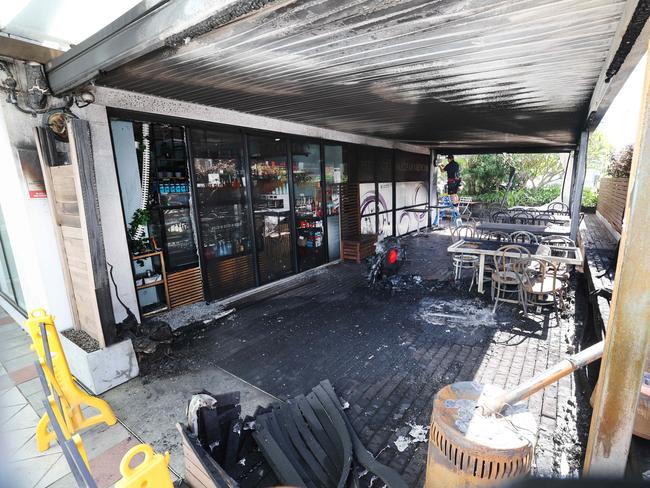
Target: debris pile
(388, 258)
(308, 441)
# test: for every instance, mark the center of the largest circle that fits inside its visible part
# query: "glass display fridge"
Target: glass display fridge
(171, 219)
(308, 204)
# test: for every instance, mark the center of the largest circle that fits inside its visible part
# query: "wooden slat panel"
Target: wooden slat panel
(69, 220)
(612, 197)
(58, 181)
(102, 327)
(185, 287)
(71, 232)
(350, 220)
(67, 208)
(229, 276)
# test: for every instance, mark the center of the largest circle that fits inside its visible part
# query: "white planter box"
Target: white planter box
(103, 369)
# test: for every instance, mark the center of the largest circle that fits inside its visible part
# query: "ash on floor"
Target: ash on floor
(386, 353)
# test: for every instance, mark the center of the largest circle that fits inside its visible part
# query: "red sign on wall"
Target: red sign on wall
(32, 173)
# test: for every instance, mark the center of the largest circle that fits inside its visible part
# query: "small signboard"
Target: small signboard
(32, 173)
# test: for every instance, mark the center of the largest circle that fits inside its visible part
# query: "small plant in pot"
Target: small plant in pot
(138, 242)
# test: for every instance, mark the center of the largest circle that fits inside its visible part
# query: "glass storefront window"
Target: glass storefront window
(223, 211)
(271, 206)
(335, 175)
(411, 190)
(9, 281)
(308, 203)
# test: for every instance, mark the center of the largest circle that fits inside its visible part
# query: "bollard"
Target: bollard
(52, 357)
(152, 472)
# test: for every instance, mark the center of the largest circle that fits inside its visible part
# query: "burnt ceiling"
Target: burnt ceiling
(449, 73)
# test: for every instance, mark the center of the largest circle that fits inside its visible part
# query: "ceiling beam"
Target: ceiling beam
(621, 59)
(148, 26)
(499, 149)
(13, 48)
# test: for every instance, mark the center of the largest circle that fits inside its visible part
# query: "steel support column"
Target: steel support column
(628, 331)
(579, 171)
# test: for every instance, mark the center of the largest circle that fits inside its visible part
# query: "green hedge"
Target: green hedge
(589, 198)
(525, 197)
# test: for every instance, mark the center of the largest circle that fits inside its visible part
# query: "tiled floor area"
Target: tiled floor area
(21, 405)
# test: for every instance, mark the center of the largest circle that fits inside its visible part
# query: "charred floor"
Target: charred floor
(387, 351)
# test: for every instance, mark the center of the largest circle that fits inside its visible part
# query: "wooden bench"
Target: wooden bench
(358, 249)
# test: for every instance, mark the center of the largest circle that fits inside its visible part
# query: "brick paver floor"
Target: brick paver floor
(21, 405)
(388, 353)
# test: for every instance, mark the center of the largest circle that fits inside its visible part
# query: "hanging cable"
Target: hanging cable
(146, 158)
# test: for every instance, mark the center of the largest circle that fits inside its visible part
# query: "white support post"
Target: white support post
(433, 184)
(628, 330)
(567, 187)
(579, 171)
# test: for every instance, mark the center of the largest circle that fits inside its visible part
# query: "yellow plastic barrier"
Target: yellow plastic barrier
(76, 438)
(61, 381)
(152, 472)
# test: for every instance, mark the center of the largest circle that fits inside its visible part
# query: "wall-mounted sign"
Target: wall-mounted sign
(32, 173)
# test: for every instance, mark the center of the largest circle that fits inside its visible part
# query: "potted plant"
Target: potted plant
(138, 243)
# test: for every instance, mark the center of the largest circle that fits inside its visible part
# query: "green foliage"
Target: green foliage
(140, 217)
(599, 152)
(483, 173)
(621, 162)
(589, 198)
(486, 173)
(537, 170)
(528, 197)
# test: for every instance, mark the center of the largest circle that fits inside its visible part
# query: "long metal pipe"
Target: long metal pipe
(568, 365)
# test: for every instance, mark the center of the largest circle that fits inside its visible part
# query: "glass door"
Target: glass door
(217, 159)
(271, 206)
(308, 204)
(335, 176)
(171, 220)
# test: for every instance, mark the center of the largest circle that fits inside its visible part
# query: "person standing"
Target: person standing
(453, 178)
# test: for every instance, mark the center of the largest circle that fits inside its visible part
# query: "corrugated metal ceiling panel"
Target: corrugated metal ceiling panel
(470, 73)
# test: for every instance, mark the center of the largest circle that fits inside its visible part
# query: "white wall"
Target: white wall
(29, 223)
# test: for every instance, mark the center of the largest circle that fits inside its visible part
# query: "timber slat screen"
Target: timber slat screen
(65, 199)
(185, 287)
(612, 196)
(354, 246)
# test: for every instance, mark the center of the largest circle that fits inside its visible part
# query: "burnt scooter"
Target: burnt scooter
(388, 258)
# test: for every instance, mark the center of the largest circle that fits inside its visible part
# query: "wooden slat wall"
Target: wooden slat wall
(229, 276)
(63, 191)
(612, 196)
(185, 287)
(350, 220)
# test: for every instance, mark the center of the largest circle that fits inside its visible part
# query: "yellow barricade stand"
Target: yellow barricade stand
(152, 472)
(60, 380)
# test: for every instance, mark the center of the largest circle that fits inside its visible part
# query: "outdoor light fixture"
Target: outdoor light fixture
(57, 123)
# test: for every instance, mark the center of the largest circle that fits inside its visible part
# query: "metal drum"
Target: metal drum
(467, 448)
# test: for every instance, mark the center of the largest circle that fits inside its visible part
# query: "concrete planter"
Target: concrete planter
(103, 369)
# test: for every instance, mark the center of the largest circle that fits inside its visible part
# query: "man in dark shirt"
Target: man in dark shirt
(453, 178)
